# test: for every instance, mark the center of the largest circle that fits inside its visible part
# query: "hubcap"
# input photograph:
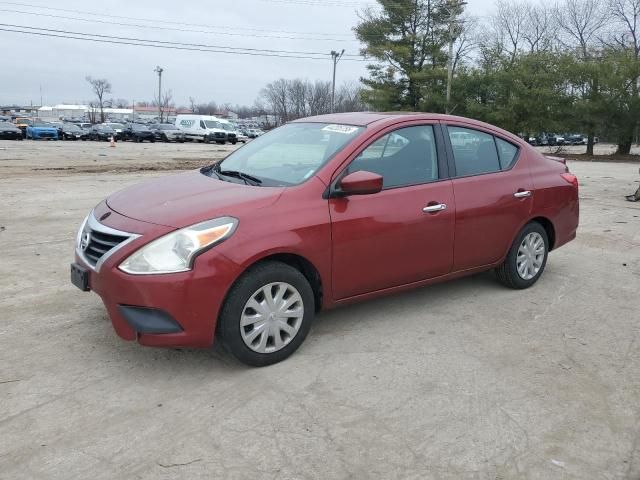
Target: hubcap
(272, 317)
(530, 256)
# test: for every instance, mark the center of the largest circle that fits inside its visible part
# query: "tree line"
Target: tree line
(526, 67)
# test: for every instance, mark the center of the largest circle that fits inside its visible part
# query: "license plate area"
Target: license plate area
(80, 277)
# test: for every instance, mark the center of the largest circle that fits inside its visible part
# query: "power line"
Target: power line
(188, 30)
(154, 44)
(163, 42)
(168, 22)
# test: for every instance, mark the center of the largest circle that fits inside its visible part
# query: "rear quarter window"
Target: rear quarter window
(507, 152)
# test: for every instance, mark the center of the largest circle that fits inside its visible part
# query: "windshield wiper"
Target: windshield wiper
(248, 179)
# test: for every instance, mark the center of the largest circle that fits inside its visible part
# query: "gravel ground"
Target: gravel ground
(464, 380)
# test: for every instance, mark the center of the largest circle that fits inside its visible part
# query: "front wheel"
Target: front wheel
(526, 259)
(267, 314)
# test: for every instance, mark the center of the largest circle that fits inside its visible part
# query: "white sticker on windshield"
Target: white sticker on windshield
(308, 174)
(346, 129)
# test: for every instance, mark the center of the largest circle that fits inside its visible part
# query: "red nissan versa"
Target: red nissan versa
(315, 214)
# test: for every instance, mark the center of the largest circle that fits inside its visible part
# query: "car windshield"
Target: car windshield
(227, 127)
(43, 125)
(72, 128)
(212, 124)
(140, 128)
(291, 154)
(116, 125)
(105, 128)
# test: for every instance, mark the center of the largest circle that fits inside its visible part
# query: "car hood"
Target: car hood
(188, 198)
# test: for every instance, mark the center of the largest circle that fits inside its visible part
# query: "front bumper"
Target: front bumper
(143, 307)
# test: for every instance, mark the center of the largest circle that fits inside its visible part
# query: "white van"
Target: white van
(201, 128)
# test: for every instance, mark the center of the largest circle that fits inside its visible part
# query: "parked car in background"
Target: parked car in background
(241, 137)
(102, 133)
(168, 132)
(71, 131)
(321, 212)
(22, 124)
(137, 132)
(42, 130)
(8, 131)
(118, 128)
(575, 139)
(555, 139)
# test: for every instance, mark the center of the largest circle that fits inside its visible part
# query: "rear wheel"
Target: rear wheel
(526, 259)
(267, 314)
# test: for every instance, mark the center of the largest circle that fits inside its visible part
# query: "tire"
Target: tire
(279, 275)
(152, 140)
(508, 273)
(234, 142)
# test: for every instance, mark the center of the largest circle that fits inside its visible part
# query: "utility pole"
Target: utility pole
(159, 71)
(452, 20)
(335, 56)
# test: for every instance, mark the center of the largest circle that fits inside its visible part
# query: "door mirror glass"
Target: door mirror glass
(360, 183)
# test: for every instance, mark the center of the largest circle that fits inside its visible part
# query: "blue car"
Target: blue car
(40, 130)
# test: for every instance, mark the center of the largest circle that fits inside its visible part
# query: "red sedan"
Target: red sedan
(315, 214)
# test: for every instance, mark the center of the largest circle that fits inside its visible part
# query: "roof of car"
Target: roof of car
(363, 119)
(366, 118)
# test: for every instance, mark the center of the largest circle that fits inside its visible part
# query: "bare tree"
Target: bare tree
(509, 24)
(465, 42)
(579, 22)
(319, 98)
(626, 16)
(275, 95)
(166, 104)
(537, 28)
(100, 87)
(348, 98)
(120, 103)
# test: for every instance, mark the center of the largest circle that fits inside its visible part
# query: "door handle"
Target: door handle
(434, 208)
(522, 194)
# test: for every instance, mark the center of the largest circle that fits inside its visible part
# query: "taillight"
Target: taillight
(570, 178)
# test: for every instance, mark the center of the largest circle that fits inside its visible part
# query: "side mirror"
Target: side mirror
(360, 183)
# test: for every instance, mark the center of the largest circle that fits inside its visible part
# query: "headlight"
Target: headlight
(81, 231)
(176, 251)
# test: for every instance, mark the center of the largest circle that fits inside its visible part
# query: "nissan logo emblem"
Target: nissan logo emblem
(84, 241)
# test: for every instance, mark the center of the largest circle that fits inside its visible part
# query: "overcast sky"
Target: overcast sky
(59, 66)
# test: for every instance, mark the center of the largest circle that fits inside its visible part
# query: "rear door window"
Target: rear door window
(474, 152)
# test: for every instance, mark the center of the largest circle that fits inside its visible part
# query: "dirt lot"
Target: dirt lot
(461, 380)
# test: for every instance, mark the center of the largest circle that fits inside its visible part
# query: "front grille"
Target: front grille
(232, 135)
(99, 244)
(46, 134)
(220, 135)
